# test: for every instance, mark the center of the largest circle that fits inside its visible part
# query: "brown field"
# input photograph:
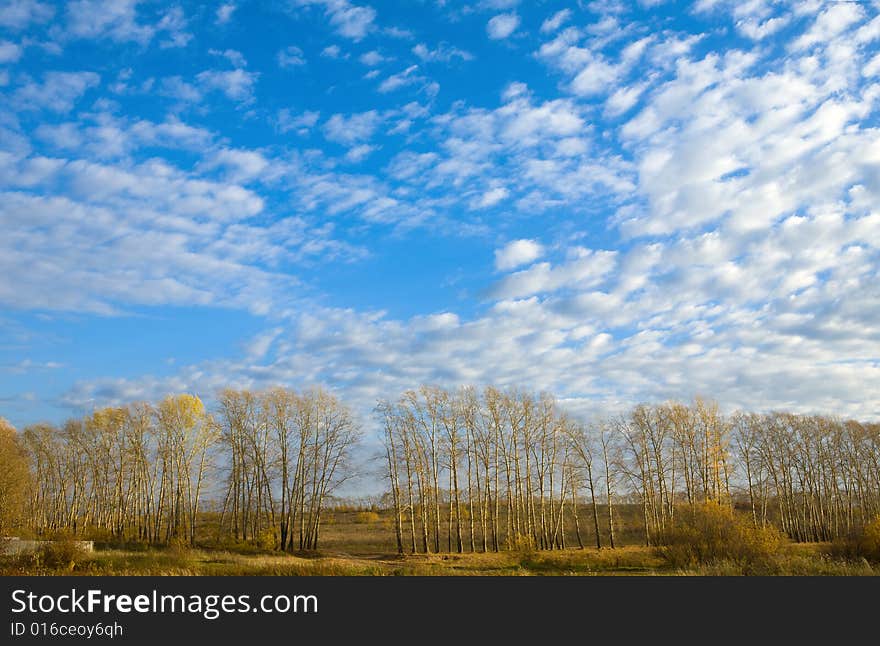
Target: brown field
(361, 543)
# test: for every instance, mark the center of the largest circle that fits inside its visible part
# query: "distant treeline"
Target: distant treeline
(471, 469)
(139, 472)
(492, 469)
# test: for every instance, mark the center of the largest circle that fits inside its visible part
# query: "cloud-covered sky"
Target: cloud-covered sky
(613, 201)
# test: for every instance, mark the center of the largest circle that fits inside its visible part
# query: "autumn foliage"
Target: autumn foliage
(713, 532)
(14, 479)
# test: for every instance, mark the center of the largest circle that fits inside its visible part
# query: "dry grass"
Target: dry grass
(590, 562)
(630, 560)
(360, 542)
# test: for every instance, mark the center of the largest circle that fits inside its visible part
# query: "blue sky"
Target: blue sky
(615, 202)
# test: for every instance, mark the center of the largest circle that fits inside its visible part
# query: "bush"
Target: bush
(864, 544)
(267, 539)
(713, 533)
(520, 543)
(179, 545)
(367, 517)
(62, 554)
(868, 542)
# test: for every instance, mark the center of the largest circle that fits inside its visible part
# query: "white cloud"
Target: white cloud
(9, 52)
(539, 152)
(224, 13)
(443, 53)
(554, 345)
(399, 33)
(401, 79)
(706, 6)
(604, 327)
(21, 13)
(110, 137)
(331, 51)
(358, 153)
(145, 222)
(759, 30)
(584, 270)
(258, 346)
(491, 197)
(517, 253)
(149, 233)
(372, 58)
(350, 20)
(529, 124)
(595, 78)
(489, 5)
(593, 72)
(118, 20)
(237, 85)
(174, 24)
(726, 161)
(232, 55)
(114, 19)
(623, 99)
(175, 87)
(502, 25)
(555, 21)
(301, 123)
(355, 128)
(241, 166)
(29, 365)
(58, 92)
(829, 24)
(872, 67)
(290, 56)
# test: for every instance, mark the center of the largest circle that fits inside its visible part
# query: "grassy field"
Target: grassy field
(361, 543)
(809, 559)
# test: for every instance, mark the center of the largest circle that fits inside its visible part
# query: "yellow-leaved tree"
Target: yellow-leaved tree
(185, 432)
(14, 478)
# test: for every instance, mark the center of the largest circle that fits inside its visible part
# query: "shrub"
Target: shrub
(179, 545)
(870, 540)
(267, 539)
(520, 543)
(714, 533)
(61, 554)
(367, 517)
(864, 544)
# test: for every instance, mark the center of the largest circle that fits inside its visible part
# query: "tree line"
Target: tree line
(492, 469)
(139, 472)
(466, 470)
